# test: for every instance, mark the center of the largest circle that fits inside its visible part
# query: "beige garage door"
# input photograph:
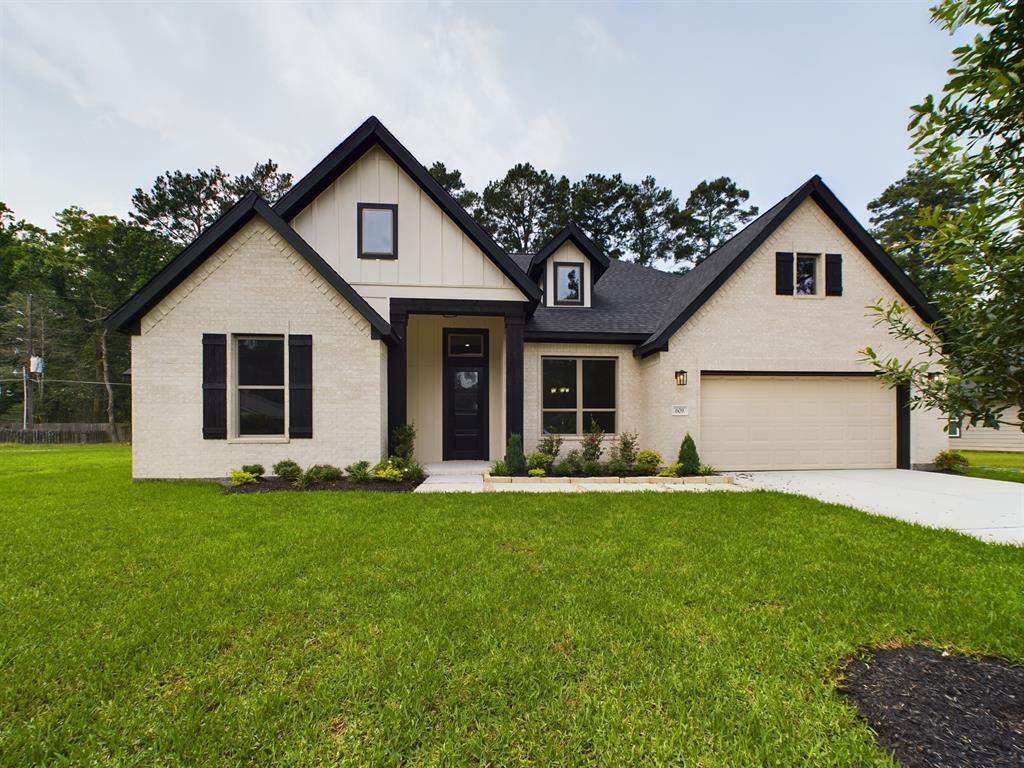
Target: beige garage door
(796, 422)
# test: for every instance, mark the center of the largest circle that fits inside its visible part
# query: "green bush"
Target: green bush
(539, 460)
(951, 461)
(500, 469)
(514, 456)
(672, 470)
(414, 472)
(403, 441)
(648, 462)
(624, 449)
(550, 444)
(707, 469)
(241, 477)
(359, 472)
(537, 472)
(592, 469)
(288, 470)
(592, 443)
(617, 468)
(570, 466)
(321, 473)
(388, 471)
(688, 459)
(256, 470)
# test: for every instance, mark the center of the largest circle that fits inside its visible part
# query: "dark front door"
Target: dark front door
(465, 393)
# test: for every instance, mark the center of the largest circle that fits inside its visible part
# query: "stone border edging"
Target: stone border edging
(696, 480)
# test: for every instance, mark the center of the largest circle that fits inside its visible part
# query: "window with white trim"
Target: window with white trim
(260, 386)
(954, 427)
(577, 391)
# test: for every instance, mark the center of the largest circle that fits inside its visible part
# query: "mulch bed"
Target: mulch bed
(276, 484)
(934, 710)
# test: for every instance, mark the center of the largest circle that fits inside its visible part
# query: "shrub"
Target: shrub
(571, 465)
(592, 449)
(388, 471)
(688, 458)
(672, 470)
(951, 461)
(707, 469)
(241, 477)
(500, 469)
(321, 473)
(550, 444)
(288, 470)
(415, 473)
(359, 472)
(403, 441)
(514, 456)
(624, 450)
(537, 472)
(540, 460)
(256, 470)
(648, 462)
(592, 468)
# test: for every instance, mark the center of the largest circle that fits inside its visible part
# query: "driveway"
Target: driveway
(991, 510)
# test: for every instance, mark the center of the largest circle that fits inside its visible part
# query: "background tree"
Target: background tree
(179, 206)
(453, 182)
(652, 223)
(974, 137)
(525, 208)
(713, 212)
(600, 206)
(898, 227)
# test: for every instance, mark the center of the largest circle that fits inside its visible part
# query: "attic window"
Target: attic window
(378, 230)
(568, 283)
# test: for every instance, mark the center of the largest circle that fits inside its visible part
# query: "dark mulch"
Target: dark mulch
(937, 711)
(276, 484)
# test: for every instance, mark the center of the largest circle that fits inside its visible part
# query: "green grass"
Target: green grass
(166, 624)
(996, 465)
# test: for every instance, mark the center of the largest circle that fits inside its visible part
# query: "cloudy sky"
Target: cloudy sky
(99, 98)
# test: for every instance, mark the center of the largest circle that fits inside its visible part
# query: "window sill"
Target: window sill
(255, 440)
(378, 256)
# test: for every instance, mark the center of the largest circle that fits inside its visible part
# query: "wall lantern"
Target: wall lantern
(681, 378)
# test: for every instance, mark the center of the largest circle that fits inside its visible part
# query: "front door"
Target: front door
(465, 393)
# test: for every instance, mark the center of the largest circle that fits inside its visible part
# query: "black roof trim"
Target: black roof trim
(721, 265)
(582, 337)
(127, 317)
(372, 132)
(598, 260)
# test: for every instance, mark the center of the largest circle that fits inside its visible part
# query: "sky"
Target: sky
(97, 99)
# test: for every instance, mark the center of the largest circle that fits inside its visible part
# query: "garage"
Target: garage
(797, 421)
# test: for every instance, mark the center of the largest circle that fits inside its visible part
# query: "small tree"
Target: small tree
(403, 441)
(689, 461)
(515, 459)
(593, 442)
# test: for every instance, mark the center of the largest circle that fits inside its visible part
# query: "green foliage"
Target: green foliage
(593, 443)
(524, 210)
(570, 466)
(689, 461)
(256, 470)
(288, 470)
(713, 212)
(600, 205)
(624, 449)
(388, 470)
(321, 473)
(951, 461)
(706, 470)
(648, 461)
(454, 184)
(414, 472)
(536, 472)
(550, 444)
(538, 460)
(359, 472)
(403, 441)
(592, 468)
(515, 459)
(241, 477)
(653, 229)
(500, 469)
(672, 470)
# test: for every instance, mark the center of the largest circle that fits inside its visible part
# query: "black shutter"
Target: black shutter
(300, 386)
(784, 274)
(833, 274)
(215, 402)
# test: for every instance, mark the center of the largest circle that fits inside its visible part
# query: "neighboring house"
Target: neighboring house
(367, 298)
(1009, 437)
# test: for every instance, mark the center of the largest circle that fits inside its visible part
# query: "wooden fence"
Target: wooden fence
(62, 433)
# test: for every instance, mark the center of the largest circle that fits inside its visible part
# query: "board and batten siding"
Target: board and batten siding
(568, 253)
(436, 259)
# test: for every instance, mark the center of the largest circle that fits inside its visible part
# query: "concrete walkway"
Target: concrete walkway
(452, 476)
(991, 510)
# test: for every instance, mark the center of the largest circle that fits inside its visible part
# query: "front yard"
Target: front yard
(996, 465)
(165, 623)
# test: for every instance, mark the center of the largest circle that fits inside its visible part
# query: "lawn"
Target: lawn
(996, 465)
(167, 624)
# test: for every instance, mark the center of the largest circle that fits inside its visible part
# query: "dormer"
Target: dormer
(568, 267)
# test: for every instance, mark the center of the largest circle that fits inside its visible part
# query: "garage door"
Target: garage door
(797, 422)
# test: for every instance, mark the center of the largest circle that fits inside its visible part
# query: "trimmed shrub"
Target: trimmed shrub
(388, 471)
(550, 444)
(570, 466)
(951, 461)
(592, 469)
(537, 472)
(241, 477)
(672, 470)
(592, 443)
(624, 449)
(688, 459)
(256, 470)
(539, 460)
(648, 462)
(321, 473)
(288, 470)
(403, 441)
(359, 472)
(500, 469)
(514, 456)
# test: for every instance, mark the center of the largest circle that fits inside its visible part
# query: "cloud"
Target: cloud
(596, 40)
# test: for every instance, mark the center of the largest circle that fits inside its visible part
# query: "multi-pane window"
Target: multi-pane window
(568, 283)
(806, 274)
(378, 230)
(578, 391)
(260, 385)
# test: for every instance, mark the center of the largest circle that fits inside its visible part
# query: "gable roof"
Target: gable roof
(570, 233)
(707, 277)
(373, 133)
(127, 317)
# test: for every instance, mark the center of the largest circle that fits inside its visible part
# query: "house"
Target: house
(367, 298)
(1009, 437)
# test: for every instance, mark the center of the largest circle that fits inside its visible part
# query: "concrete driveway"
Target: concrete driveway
(991, 510)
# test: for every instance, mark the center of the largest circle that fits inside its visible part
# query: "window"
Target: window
(954, 427)
(378, 230)
(578, 391)
(259, 362)
(568, 283)
(806, 274)
(465, 345)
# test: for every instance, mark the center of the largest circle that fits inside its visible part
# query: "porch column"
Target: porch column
(397, 374)
(514, 373)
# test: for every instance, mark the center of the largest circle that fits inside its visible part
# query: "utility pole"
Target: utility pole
(28, 418)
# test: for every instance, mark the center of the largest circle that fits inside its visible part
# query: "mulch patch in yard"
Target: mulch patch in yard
(938, 710)
(276, 484)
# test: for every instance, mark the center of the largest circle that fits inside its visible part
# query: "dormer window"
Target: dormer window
(378, 230)
(568, 283)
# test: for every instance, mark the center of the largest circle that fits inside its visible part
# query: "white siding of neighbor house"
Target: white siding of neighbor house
(567, 253)
(254, 284)
(435, 258)
(746, 326)
(1007, 438)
